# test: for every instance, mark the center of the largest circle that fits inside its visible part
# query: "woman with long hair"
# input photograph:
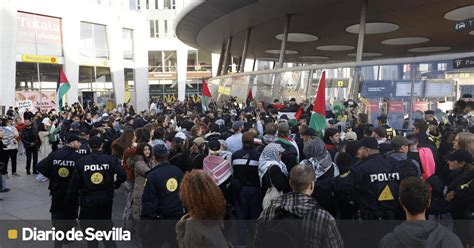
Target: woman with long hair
(464, 140)
(179, 154)
(122, 143)
(141, 162)
(202, 226)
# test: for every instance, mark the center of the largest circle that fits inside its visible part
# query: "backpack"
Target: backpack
(284, 230)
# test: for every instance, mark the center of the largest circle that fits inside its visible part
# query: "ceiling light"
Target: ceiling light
(278, 52)
(298, 37)
(368, 54)
(311, 57)
(429, 49)
(460, 14)
(373, 28)
(405, 41)
(335, 48)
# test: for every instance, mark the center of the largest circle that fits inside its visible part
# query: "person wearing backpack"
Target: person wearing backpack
(295, 219)
(408, 166)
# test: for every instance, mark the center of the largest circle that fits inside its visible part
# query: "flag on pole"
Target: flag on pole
(63, 87)
(249, 97)
(318, 116)
(206, 94)
(299, 113)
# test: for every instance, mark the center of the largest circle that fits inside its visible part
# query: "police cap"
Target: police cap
(368, 142)
(71, 138)
(160, 151)
(95, 142)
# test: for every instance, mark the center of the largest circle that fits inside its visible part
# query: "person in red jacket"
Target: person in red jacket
(19, 126)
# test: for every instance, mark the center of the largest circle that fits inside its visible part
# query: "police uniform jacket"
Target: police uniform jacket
(391, 132)
(59, 167)
(462, 205)
(161, 194)
(376, 181)
(85, 148)
(245, 165)
(93, 178)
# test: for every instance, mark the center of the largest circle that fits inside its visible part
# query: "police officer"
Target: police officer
(84, 135)
(161, 201)
(376, 181)
(59, 167)
(94, 177)
(382, 122)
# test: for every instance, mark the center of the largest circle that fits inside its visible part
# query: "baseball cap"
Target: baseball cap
(214, 145)
(75, 125)
(429, 112)
(382, 118)
(237, 124)
(160, 151)
(283, 127)
(380, 131)
(411, 139)
(71, 138)
(369, 142)
(199, 141)
(310, 132)
(95, 142)
(180, 135)
(460, 156)
(350, 136)
(398, 141)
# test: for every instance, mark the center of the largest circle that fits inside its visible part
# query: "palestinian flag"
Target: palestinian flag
(63, 87)
(206, 94)
(249, 98)
(318, 116)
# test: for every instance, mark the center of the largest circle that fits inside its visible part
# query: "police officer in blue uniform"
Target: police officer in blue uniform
(382, 122)
(161, 201)
(59, 167)
(376, 181)
(94, 178)
(84, 135)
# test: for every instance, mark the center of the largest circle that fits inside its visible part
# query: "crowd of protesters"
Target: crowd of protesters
(258, 162)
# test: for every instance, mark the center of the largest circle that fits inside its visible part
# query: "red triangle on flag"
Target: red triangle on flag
(205, 89)
(319, 105)
(62, 76)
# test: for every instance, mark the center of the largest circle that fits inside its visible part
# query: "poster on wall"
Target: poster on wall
(403, 88)
(43, 100)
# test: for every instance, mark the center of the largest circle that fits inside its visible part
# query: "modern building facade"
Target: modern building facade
(99, 45)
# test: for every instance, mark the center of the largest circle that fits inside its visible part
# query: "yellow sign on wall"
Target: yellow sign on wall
(39, 59)
(224, 90)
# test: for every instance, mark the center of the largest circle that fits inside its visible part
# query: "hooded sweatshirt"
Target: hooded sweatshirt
(420, 234)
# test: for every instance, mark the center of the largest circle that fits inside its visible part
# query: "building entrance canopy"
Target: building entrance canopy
(326, 31)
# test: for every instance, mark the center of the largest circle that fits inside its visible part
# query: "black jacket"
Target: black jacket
(161, 194)
(290, 155)
(29, 137)
(59, 168)
(376, 181)
(94, 178)
(245, 165)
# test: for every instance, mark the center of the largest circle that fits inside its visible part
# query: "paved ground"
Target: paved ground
(29, 199)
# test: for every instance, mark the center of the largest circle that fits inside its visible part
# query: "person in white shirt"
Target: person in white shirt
(234, 142)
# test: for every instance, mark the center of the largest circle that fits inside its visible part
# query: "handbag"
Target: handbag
(272, 193)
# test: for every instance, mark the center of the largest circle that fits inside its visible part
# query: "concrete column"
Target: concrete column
(360, 48)
(182, 56)
(8, 52)
(221, 60)
(114, 33)
(71, 38)
(215, 60)
(141, 67)
(227, 56)
(244, 50)
(283, 42)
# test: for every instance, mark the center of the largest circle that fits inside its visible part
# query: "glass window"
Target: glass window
(156, 4)
(27, 76)
(167, 4)
(127, 43)
(157, 28)
(152, 28)
(132, 4)
(147, 4)
(199, 60)
(166, 28)
(100, 40)
(95, 84)
(155, 61)
(93, 42)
